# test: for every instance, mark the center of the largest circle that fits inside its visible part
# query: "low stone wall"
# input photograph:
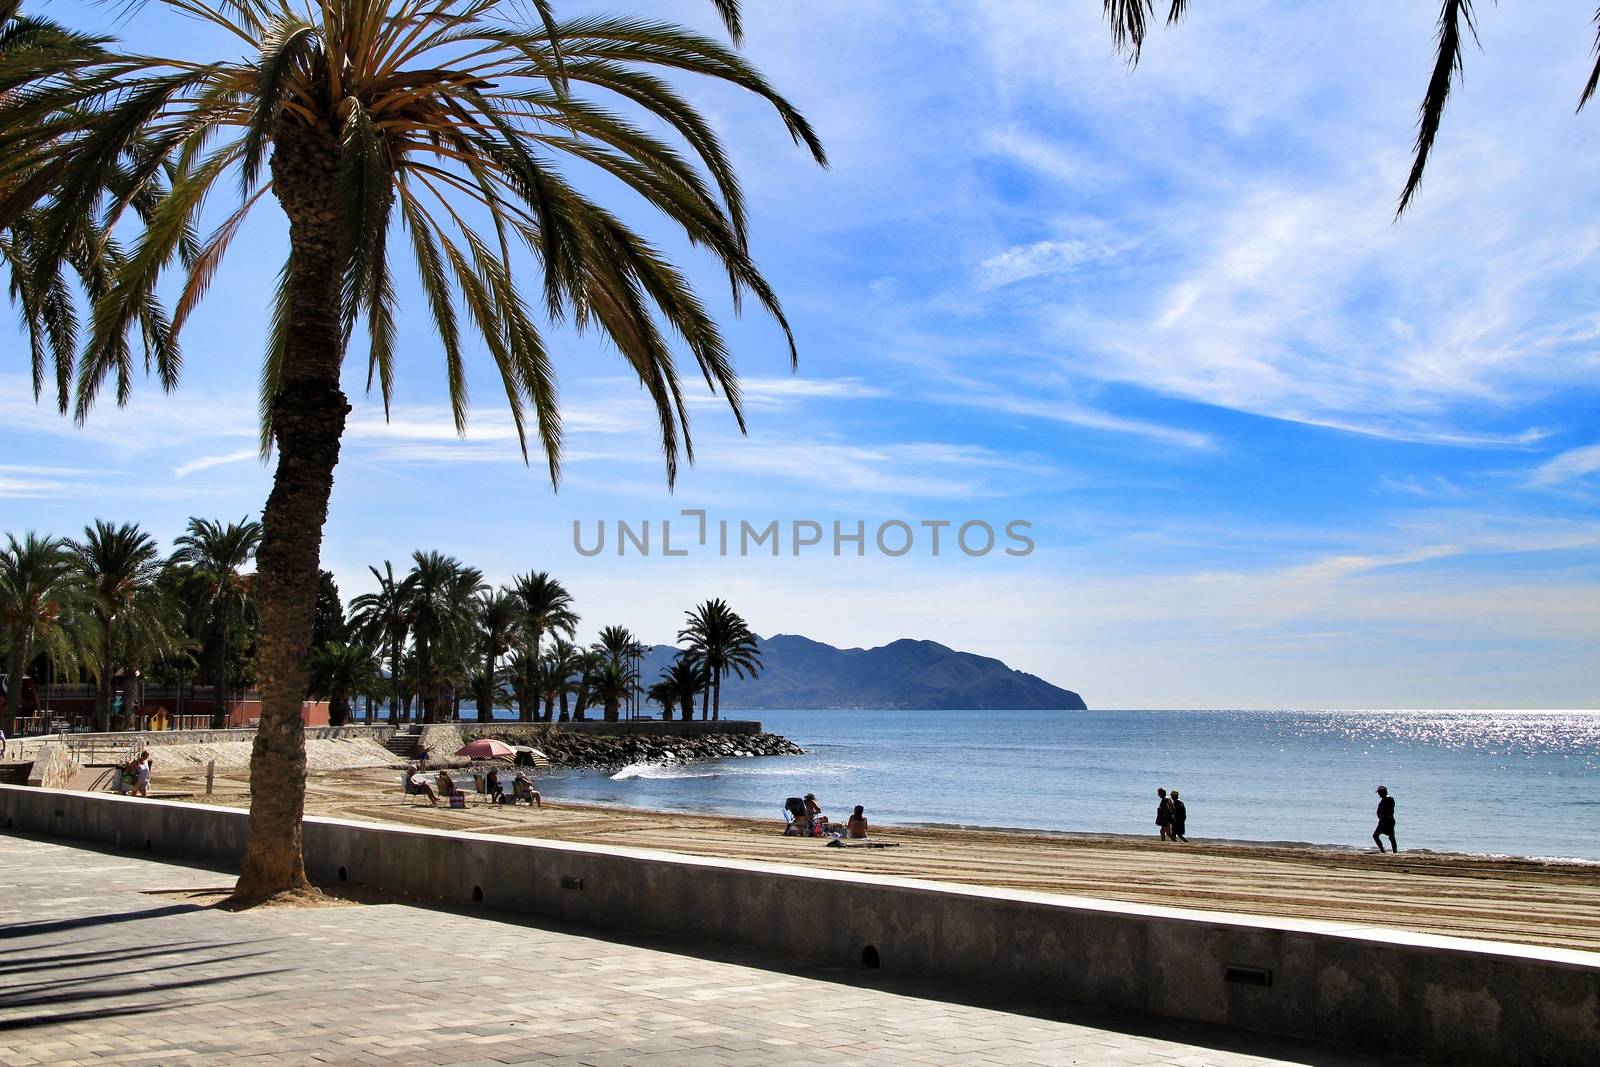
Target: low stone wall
(52, 768)
(1448, 998)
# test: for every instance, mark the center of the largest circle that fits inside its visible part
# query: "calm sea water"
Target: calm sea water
(1514, 783)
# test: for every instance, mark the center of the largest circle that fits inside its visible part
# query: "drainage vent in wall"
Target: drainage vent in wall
(869, 957)
(1247, 975)
(344, 875)
(570, 882)
(477, 894)
(147, 845)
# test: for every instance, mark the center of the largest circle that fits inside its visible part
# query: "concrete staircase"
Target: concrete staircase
(404, 742)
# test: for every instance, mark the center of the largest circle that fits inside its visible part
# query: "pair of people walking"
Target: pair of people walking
(1171, 816)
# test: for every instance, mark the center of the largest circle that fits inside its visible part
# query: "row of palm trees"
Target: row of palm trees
(108, 607)
(443, 635)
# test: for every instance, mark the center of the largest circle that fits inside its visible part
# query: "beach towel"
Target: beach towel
(837, 843)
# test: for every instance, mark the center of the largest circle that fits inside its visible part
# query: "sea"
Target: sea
(1512, 783)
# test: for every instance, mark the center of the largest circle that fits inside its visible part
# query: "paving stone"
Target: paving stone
(118, 974)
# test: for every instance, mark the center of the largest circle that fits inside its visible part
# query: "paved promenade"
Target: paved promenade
(97, 966)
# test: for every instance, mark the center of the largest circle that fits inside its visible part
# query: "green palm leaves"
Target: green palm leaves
(452, 123)
(719, 642)
(38, 596)
(119, 570)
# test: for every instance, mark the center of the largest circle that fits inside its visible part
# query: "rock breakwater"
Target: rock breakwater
(578, 750)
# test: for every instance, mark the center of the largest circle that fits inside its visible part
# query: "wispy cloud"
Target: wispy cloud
(1040, 258)
(183, 470)
(1573, 463)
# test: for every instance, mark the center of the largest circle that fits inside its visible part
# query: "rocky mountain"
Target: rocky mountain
(798, 672)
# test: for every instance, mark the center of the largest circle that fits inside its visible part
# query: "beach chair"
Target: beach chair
(796, 823)
(413, 794)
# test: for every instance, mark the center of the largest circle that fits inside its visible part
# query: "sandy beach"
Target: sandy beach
(1506, 900)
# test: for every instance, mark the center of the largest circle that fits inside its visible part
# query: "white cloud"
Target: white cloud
(1022, 262)
(1573, 463)
(207, 462)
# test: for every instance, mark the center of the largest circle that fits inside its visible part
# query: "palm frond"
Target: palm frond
(1453, 15)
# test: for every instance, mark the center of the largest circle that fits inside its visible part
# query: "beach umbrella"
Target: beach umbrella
(485, 748)
(534, 756)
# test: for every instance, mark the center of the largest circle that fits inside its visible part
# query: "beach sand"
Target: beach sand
(1506, 900)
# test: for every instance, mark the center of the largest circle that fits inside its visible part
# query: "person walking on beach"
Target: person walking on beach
(1164, 815)
(1385, 820)
(1180, 815)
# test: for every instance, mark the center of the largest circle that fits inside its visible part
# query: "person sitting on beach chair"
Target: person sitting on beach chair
(491, 786)
(523, 789)
(446, 784)
(415, 783)
(795, 819)
(819, 821)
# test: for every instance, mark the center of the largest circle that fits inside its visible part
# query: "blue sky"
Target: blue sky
(1276, 449)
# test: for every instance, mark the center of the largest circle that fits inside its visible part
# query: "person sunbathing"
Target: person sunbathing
(857, 823)
(447, 784)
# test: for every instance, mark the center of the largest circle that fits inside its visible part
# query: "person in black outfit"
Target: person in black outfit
(1179, 815)
(1164, 815)
(1385, 820)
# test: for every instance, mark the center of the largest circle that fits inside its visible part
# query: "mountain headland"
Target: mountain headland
(798, 672)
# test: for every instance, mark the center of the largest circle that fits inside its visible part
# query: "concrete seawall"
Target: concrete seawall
(1441, 997)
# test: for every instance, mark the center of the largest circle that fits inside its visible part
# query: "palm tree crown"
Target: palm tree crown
(720, 641)
(37, 597)
(119, 568)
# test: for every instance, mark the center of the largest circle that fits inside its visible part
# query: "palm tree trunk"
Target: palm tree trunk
(716, 701)
(564, 716)
(14, 683)
(705, 702)
(484, 698)
(219, 677)
(308, 416)
(612, 703)
(394, 679)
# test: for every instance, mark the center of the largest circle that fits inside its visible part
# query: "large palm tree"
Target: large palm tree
(384, 616)
(498, 612)
(218, 553)
(1131, 19)
(720, 641)
(546, 609)
(119, 571)
(446, 121)
(38, 593)
(442, 596)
